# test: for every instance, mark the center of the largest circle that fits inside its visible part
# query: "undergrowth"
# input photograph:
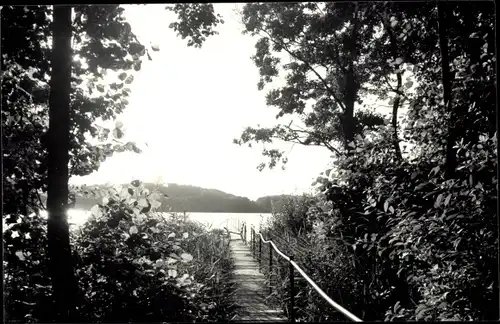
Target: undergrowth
(131, 264)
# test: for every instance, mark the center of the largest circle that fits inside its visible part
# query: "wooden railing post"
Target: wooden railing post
(253, 242)
(270, 266)
(292, 291)
(260, 253)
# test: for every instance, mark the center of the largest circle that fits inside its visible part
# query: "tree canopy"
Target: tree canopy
(404, 222)
(62, 58)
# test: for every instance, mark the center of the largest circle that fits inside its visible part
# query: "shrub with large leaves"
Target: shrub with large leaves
(132, 264)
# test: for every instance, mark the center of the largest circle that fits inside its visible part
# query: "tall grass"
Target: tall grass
(326, 264)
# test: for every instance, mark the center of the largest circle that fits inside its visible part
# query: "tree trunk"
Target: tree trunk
(451, 158)
(397, 98)
(348, 115)
(351, 86)
(395, 107)
(59, 251)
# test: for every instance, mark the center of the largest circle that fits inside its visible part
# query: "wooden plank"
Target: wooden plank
(251, 288)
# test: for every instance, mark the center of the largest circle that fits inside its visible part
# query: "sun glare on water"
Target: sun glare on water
(75, 216)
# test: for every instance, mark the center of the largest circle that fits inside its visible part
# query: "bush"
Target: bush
(392, 240)
(131, 265)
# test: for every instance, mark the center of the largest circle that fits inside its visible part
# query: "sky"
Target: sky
(188, 104)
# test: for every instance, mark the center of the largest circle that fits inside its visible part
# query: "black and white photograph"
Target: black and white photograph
(259, 162)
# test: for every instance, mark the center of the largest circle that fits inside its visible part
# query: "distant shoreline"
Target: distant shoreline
(193, 199)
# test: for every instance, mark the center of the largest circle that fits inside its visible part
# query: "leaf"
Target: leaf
(394, 23)
(391, 209)
(420, 186)
(155, 47)
(434, 170)
(130, 79)
(155, 204)
(386, 205)
(396, 307)
(399, 60)
(447, 200)
(118, 124)
(171, 235)
(438, 200)
(187, 257)
(172, 273)
(122, 76)
(136, 183)
(143, 202)
(117, 133)
(133, 230)
(185, 235)
(96, 211)
(20, 255)
(171, 260)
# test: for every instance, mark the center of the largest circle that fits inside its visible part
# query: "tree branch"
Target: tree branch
(324, 142)
(295, 56)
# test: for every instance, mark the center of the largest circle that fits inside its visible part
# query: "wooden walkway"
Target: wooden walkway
(251, 290)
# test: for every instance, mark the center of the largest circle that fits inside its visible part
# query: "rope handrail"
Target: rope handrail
(283, 255)
(330, 301)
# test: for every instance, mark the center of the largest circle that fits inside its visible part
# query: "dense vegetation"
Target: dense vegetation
(126, 263)
(272, 202)
(404, 224)
(130, 265)
(180, 198)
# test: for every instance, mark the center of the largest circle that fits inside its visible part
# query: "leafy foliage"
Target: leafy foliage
(392, 236)
(196, 21)
(104, 46)
(326, 46)
(25, 77)
(131, 264)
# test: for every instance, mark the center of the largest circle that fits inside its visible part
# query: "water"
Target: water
(213, 220)
(233, 221)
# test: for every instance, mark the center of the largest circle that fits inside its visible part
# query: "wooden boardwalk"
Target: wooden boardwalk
(251, 290)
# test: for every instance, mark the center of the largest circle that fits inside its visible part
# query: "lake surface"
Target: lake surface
(232, 221)
(212, 220)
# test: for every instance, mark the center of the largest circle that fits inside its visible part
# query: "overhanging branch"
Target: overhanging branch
(309, 66)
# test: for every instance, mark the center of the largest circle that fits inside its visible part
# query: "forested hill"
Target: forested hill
(277, 201)
(193, 199)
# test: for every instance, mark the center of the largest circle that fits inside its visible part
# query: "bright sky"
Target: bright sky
(188, 104)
